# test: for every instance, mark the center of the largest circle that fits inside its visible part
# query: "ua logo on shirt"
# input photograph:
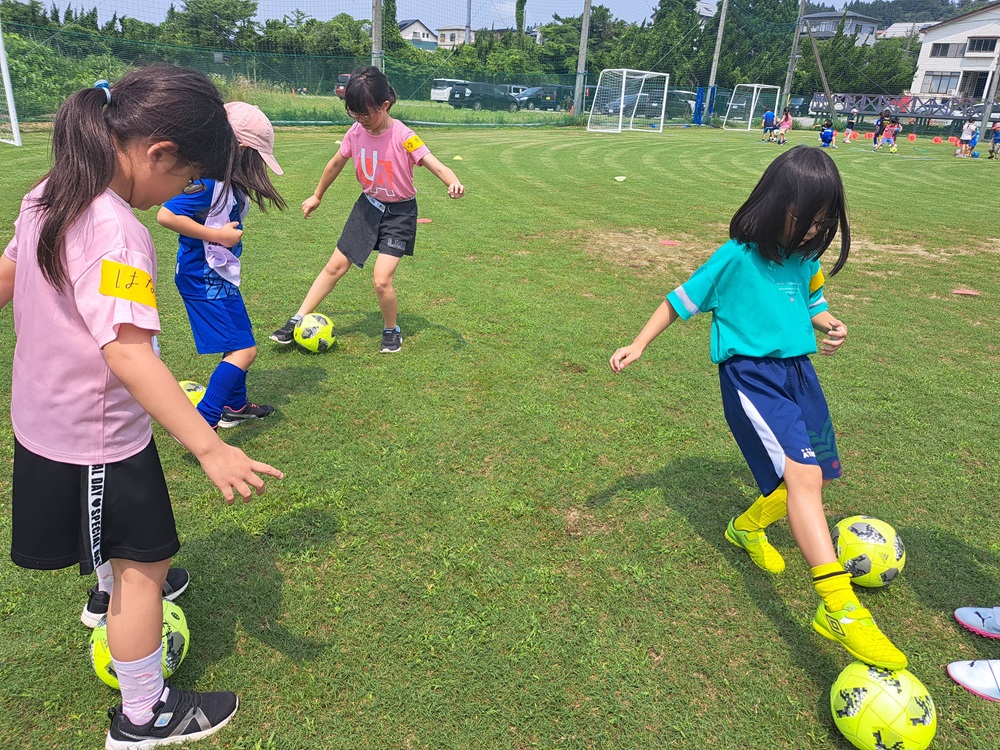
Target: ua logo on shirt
(376, 177)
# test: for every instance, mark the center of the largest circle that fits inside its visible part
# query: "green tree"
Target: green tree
(212, 24)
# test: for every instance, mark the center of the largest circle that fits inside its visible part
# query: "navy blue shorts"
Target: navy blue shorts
(219, 325)
(390, 228)
(776, 410)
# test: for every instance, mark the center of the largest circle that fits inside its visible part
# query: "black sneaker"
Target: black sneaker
(231, 418)
(284, 334)
(184, 716)
(392, 341)
(99, 601)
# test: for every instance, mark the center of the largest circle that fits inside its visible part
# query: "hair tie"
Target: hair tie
(102, 84)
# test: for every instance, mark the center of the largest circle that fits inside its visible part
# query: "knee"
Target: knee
(337, 266)
(383, 284)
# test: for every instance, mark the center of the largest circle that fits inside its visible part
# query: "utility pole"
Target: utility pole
(984, 126)
(378, 54)
(787, 92)
(581, 60)
(468, 22)
(822, 73)
(718, 48)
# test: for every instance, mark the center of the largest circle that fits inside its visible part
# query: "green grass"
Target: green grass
(491, 541)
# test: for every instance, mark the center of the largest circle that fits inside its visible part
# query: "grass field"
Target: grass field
(490, 540)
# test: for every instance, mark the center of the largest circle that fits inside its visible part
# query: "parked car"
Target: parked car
(680, 104)
(512, 88)
(797, 106)
(976, 110)
(441, 88)
(552, 97)
(937, 110)
(342, 80)
(482, 96)
(637, 104)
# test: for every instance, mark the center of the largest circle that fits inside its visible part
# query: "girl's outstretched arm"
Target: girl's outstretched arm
(132, 359)
(455, 188)
(330, 173)
(657, 324)
(7, 267)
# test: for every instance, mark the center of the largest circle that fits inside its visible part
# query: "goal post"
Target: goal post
(628, 99)
(10, 132)
(748, 104)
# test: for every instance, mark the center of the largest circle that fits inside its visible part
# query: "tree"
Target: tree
(212, 24)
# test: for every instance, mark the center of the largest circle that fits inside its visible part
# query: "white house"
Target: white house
(450, 37)
(904, 29)
(824, 25)
(958, 56)
(418, 34)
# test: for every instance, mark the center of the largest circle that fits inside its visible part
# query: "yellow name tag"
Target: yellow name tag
(816, 281)
(412, 143)
(127, 282)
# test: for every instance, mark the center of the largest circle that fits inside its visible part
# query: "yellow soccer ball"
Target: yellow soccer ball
(314, 332)
(176, 639)
(194, 391)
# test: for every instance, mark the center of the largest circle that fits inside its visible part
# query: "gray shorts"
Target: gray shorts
(389, 228)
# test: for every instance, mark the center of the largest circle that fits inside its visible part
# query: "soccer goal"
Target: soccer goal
(748, 104)
(9, 130)
(628, 100)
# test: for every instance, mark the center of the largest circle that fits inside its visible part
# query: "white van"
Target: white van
(441, 88)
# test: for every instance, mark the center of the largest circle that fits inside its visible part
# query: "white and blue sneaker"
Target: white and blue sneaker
(980, 678)
(984, 621)
(180, 716)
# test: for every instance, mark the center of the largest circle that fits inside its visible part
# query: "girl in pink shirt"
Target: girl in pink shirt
(88, 488)
(384, 217)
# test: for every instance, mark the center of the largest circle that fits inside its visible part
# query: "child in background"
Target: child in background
(784, 125)
(826, 135)
(852, 123)
(765, 291)
(208, 216)
(889, 134)
(970, 130)
(995, 143)
(85, 276)
(384, 217)
(880, 125)
(768, 124)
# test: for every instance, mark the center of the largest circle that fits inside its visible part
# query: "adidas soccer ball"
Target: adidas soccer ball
(878, 708)
(869, 549)
(194, 391)
(893, 149)
(314, 332)
(176, 639)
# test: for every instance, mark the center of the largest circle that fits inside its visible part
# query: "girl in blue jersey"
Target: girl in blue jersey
(208, 216)
(764, 289)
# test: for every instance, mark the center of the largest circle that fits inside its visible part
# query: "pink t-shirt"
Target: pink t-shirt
(66, 405)
(384, 163)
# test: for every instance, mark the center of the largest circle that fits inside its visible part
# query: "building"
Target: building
(417, 34)
(904, 29)
(824, 25)
(958, 56)
(449, 37)
(706, 11)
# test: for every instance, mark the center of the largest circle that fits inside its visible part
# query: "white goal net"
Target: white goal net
(628, 100)
(748, 104)
(9, 130)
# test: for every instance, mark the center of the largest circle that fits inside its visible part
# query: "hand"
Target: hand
(309, 205)
(229, 235)
(625, 356)
(456, 189)
(837, 334)
(230, 469)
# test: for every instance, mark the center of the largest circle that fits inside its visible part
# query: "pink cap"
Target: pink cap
(253, 129)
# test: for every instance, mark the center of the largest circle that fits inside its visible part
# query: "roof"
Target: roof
(971, 13)
(839, 14)
(705, 8)
(905, 28)
(410, 21)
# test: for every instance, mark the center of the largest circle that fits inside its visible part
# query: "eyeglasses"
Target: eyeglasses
(822, 225)
(360, 116)
(194, 187)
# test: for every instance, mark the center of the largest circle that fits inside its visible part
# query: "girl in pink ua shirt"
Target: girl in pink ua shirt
(88, 488)
(384, 218)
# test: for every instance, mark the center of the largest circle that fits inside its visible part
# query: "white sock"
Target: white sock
(142, 686)
(105, 577)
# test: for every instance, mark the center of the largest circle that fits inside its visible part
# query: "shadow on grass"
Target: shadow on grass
(370, 325)
(235, 580)
(704, 493)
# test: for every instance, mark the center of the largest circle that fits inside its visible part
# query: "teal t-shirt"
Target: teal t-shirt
(759, 308)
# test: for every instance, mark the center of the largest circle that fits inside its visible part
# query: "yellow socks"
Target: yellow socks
(764, 511)
(833, 584)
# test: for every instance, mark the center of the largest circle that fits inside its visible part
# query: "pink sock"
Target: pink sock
(141, 684)
(105, 577)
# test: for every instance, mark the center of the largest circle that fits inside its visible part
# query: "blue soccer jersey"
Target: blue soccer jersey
(195, 278)
(759, 308)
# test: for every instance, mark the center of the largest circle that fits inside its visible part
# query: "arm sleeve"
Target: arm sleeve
(347, 143)
(195, 205)
(817, 301)
(414, 146)
(11, 250)
(118, 289)
(698, 294)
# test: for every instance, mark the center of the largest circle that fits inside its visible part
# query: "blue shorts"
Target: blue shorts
(219, 325)
(776, 410)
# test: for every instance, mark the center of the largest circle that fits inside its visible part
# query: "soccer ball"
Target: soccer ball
(893, 149)
(314, 332)
(176, 639)
(879, 708)
(194, 391)
(869, 549)
(975, 154)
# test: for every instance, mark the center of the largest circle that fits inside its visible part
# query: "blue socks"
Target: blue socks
(226, 387)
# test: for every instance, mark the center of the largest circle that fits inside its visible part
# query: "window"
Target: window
(415, 35)
(982, 45)
(940, 83)
(939, 50)
(442, 39)
(453, 37)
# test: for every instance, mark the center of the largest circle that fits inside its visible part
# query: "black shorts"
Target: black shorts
(390, 228)
(65, 514)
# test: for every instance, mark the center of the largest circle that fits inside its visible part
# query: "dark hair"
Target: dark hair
(894, 121)
(828, 123)
(156, 103)
(367, 90)
(803, 182)
(251, 178)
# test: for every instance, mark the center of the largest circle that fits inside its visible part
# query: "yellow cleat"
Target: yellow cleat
(854, 629)
(760, 550)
